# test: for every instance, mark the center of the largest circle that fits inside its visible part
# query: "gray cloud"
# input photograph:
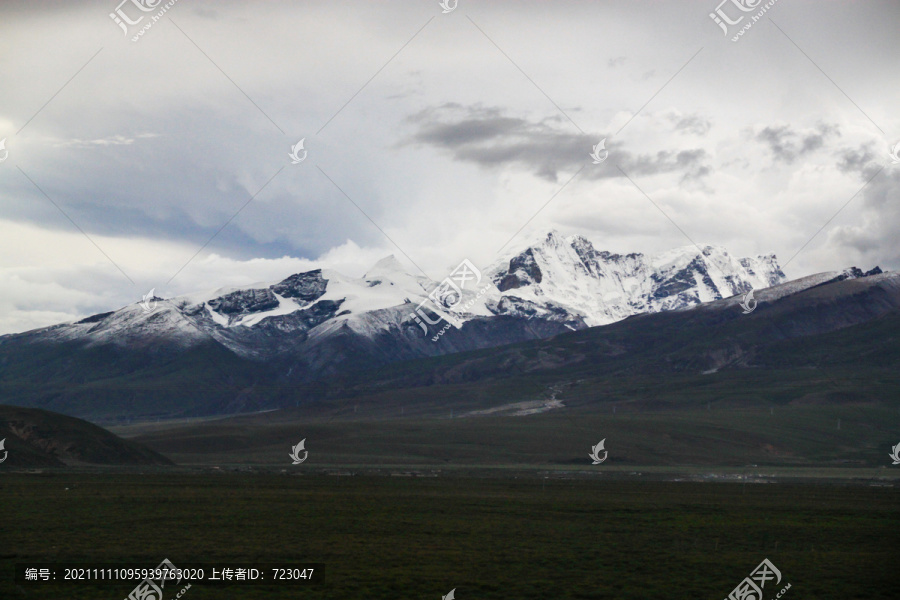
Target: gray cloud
(861, 160)
(487, 137)
(787, 144)
(693, 124)
(873, 234)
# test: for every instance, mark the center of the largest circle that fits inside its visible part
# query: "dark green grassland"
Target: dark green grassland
(510, 538)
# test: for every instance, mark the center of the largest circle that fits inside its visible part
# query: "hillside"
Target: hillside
(40, 438)
(818, 340)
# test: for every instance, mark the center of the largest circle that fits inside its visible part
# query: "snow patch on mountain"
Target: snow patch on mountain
(603, 287)
(385, 285)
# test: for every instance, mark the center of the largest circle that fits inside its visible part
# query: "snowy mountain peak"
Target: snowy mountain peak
(602, 287)
(386, 267)
(550, 283)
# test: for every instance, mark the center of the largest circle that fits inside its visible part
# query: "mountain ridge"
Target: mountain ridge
(313, 326)
(540, 281)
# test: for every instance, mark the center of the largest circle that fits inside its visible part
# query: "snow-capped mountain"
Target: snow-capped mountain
(549, 285)
(310, 326)
(603, 288)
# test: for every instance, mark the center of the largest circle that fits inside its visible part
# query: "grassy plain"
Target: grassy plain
(820, 437)
(488, 537)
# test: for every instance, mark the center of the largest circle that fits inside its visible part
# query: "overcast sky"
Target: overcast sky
(432, 136)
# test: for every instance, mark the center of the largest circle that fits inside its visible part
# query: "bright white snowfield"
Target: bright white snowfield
(605, 287)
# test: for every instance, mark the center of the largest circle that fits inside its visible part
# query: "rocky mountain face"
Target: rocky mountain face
(602, 287)
(552, 285)
(313, 325)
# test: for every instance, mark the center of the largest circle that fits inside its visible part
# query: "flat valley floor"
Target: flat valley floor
(488, 537)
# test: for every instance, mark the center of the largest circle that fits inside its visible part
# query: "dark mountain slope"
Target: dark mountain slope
(840, 337)
(40, 438)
